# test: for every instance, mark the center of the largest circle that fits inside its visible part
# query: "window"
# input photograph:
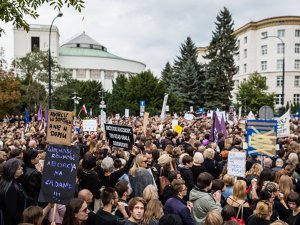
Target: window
(279, 64)
(278, 99)
(263, 65)
(264, 49)
(297, 33)
(296, 98)
(238, 56)
(35, 44)
(245, 68)
(264, 34)
(78, 45)
(237, 69)
(280, 48)
(238, 43)
(245, 40)
(297, 81)
(80, 73)
(297, 64)
(245, 53)
(279, 81)
(237, 83)
(297, 48)
(280, 33)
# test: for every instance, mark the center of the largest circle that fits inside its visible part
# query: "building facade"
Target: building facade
(84, 57)
(265, 47)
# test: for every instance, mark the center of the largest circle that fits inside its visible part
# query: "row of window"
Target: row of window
(280, 34)
(279, 64)
(279, 81)
(278, 99)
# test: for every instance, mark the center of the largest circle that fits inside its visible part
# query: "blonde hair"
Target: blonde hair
(209, 153)
(213, 218)
(139, 159)
(154, 210)
(150, 192)
(181, 157)
(263, 210)
(198, 158)
(228, 180)
(255, 170)
(239, 190)
(285, 186)
(293, 159)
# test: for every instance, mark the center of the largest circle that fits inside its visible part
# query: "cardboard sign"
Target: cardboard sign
(236, 164)
(89, 125)
(59, 127)
(145, 122)
(59, 174)
(188, 116)
(261, 137)
(119, 136)
(178, 129)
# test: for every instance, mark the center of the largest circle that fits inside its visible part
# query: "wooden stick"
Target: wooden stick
(54, 212)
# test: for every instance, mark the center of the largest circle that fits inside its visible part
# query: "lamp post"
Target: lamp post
(60, 14)
(76, 101)
(282, 109)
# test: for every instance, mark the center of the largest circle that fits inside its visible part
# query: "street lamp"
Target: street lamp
(282, 109)
(60, 14)
(76, 101)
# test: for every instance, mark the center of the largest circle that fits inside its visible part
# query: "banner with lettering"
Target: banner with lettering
(261, 137)
(59, 174)
(119, 136)
(59, 127)
(89, 125)
(283, 123)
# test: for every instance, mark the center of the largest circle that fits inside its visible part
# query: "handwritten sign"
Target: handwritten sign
(119, 136)
(188, 116)
(237, 164)
(89, 125)
(145, 122)
(59, 128)
(59, 174)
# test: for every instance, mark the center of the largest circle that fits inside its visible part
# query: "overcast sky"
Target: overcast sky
(151, 31)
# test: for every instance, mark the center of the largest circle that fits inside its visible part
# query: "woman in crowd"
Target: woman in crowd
(139, 176)
(76, 212)
(229, 182)
(176, 205)
(293, 200)
(12, 196)
(35, 214)
(154, 211)
(210, 164)
(253, 173)
(197, 167)
(149, 193)
(213, 218)
(285, 186)
(238, 199)
(261, 215)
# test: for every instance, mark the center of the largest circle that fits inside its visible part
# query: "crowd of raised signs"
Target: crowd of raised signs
(164, 178)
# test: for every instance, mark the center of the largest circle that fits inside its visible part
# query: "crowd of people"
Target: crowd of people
(166, 178)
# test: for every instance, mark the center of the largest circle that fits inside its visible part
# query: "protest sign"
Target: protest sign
(59, 127)
(174, 123)
(283, 123)
(145, 122)
(59, 174)
(89, 125)
(119, 136)
(261, 137)
(126, 113)
(178, 129)
(188, 116)
(236, 164)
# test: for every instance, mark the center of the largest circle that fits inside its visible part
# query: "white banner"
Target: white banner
(102, 119)
(174, 123)
(240, 112)
(236, 164)
(89, 125)
(188, 116)
(163, 110)
(126, 113)
(283, 125)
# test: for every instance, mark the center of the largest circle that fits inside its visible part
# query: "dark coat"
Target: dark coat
(197, 170)
(165, 142)
(212, 167)
(187, 176)
(88, 179)
(178, 206)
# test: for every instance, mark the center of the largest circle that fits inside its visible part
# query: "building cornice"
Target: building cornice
(269, 22)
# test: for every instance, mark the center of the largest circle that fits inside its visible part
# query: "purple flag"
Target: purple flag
(223, 126)
(215, 128)
(40, 114)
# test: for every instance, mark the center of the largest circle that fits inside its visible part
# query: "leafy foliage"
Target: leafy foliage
(221, 67)
(15, 11)
(252, 93)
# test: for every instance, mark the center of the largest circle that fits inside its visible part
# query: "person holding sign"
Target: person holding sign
(76, 212)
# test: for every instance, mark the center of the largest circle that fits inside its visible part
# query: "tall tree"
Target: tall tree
(15, 10)
(252, 94)
(187, 80)
(221, 67)
(166, 75)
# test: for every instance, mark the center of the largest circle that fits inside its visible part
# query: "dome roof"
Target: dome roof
(84, 41)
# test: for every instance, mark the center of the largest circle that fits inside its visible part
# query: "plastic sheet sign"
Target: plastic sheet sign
(119, 136)
(236, 164)
(261, 137)
(59, 128)
(59, 174)
(89, 125)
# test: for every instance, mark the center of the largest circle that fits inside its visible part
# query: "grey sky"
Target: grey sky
(151, 31)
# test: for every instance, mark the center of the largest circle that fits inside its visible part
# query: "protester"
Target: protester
(76, 212)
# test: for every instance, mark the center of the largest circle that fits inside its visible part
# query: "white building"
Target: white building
(262, 51)
(83, 56)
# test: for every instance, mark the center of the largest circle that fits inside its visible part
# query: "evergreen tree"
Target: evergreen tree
(221, 68)
(187, 78)
(166, 75)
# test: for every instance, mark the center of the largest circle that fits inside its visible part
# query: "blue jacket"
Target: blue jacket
(177, 206)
